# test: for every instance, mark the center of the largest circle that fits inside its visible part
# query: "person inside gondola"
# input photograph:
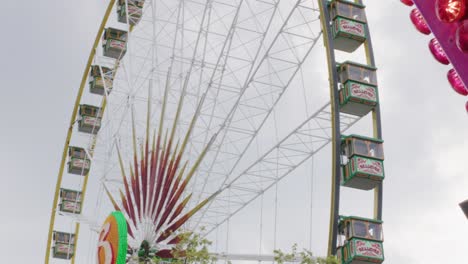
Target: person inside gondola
(375, 231)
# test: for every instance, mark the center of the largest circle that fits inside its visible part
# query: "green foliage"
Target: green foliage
(303, 257)
(192, 248)
(328, 260)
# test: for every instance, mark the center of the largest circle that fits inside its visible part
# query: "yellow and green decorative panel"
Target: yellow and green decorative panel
(364, 251)
(89, 124)
(112, 245)
(70, 207)
(79, 166)
(363, 173)
(348, 34)
(63, 251)
(358, 98)
(115, 48)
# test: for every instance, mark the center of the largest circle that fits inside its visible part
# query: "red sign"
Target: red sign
(117, 44)
(369, 249)
(352, 27)
(363, 91)
(81, 163)
(92, 121)
(369, 166)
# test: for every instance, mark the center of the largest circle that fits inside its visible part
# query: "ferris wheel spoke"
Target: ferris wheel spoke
(173, 79)
(219, 64)
(228, 85)
(292, 151)
(247, 117)
(192, 61)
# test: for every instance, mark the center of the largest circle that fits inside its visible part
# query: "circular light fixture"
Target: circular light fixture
(438, 52)
(407, 2)
(419, 22)
(456, 82)
(461, 36)
(449, 11)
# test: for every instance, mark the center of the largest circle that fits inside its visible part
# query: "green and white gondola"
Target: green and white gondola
(363, 241)
(114, 43)
(358, 94)
(135, 9)
(100, 79)
(90, 119)
(70, 201)
(78, 162)
(349, 25)
(64, 245)
(364, 168)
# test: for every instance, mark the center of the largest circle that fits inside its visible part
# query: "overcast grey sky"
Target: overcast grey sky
(44, 49)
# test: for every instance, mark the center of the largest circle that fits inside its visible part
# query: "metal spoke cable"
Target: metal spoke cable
(226, 124)
(295, 146)
(255, 71)
(311, 191)
(226, 45)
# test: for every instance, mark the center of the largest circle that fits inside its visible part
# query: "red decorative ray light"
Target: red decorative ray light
(153, 196)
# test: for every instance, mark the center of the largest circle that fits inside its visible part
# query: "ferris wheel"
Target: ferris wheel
(176, 122)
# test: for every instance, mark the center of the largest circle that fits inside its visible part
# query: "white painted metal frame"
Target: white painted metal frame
(288, 154)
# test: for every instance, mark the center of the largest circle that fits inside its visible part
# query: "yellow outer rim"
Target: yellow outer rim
(69, 134)
(325, 28)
